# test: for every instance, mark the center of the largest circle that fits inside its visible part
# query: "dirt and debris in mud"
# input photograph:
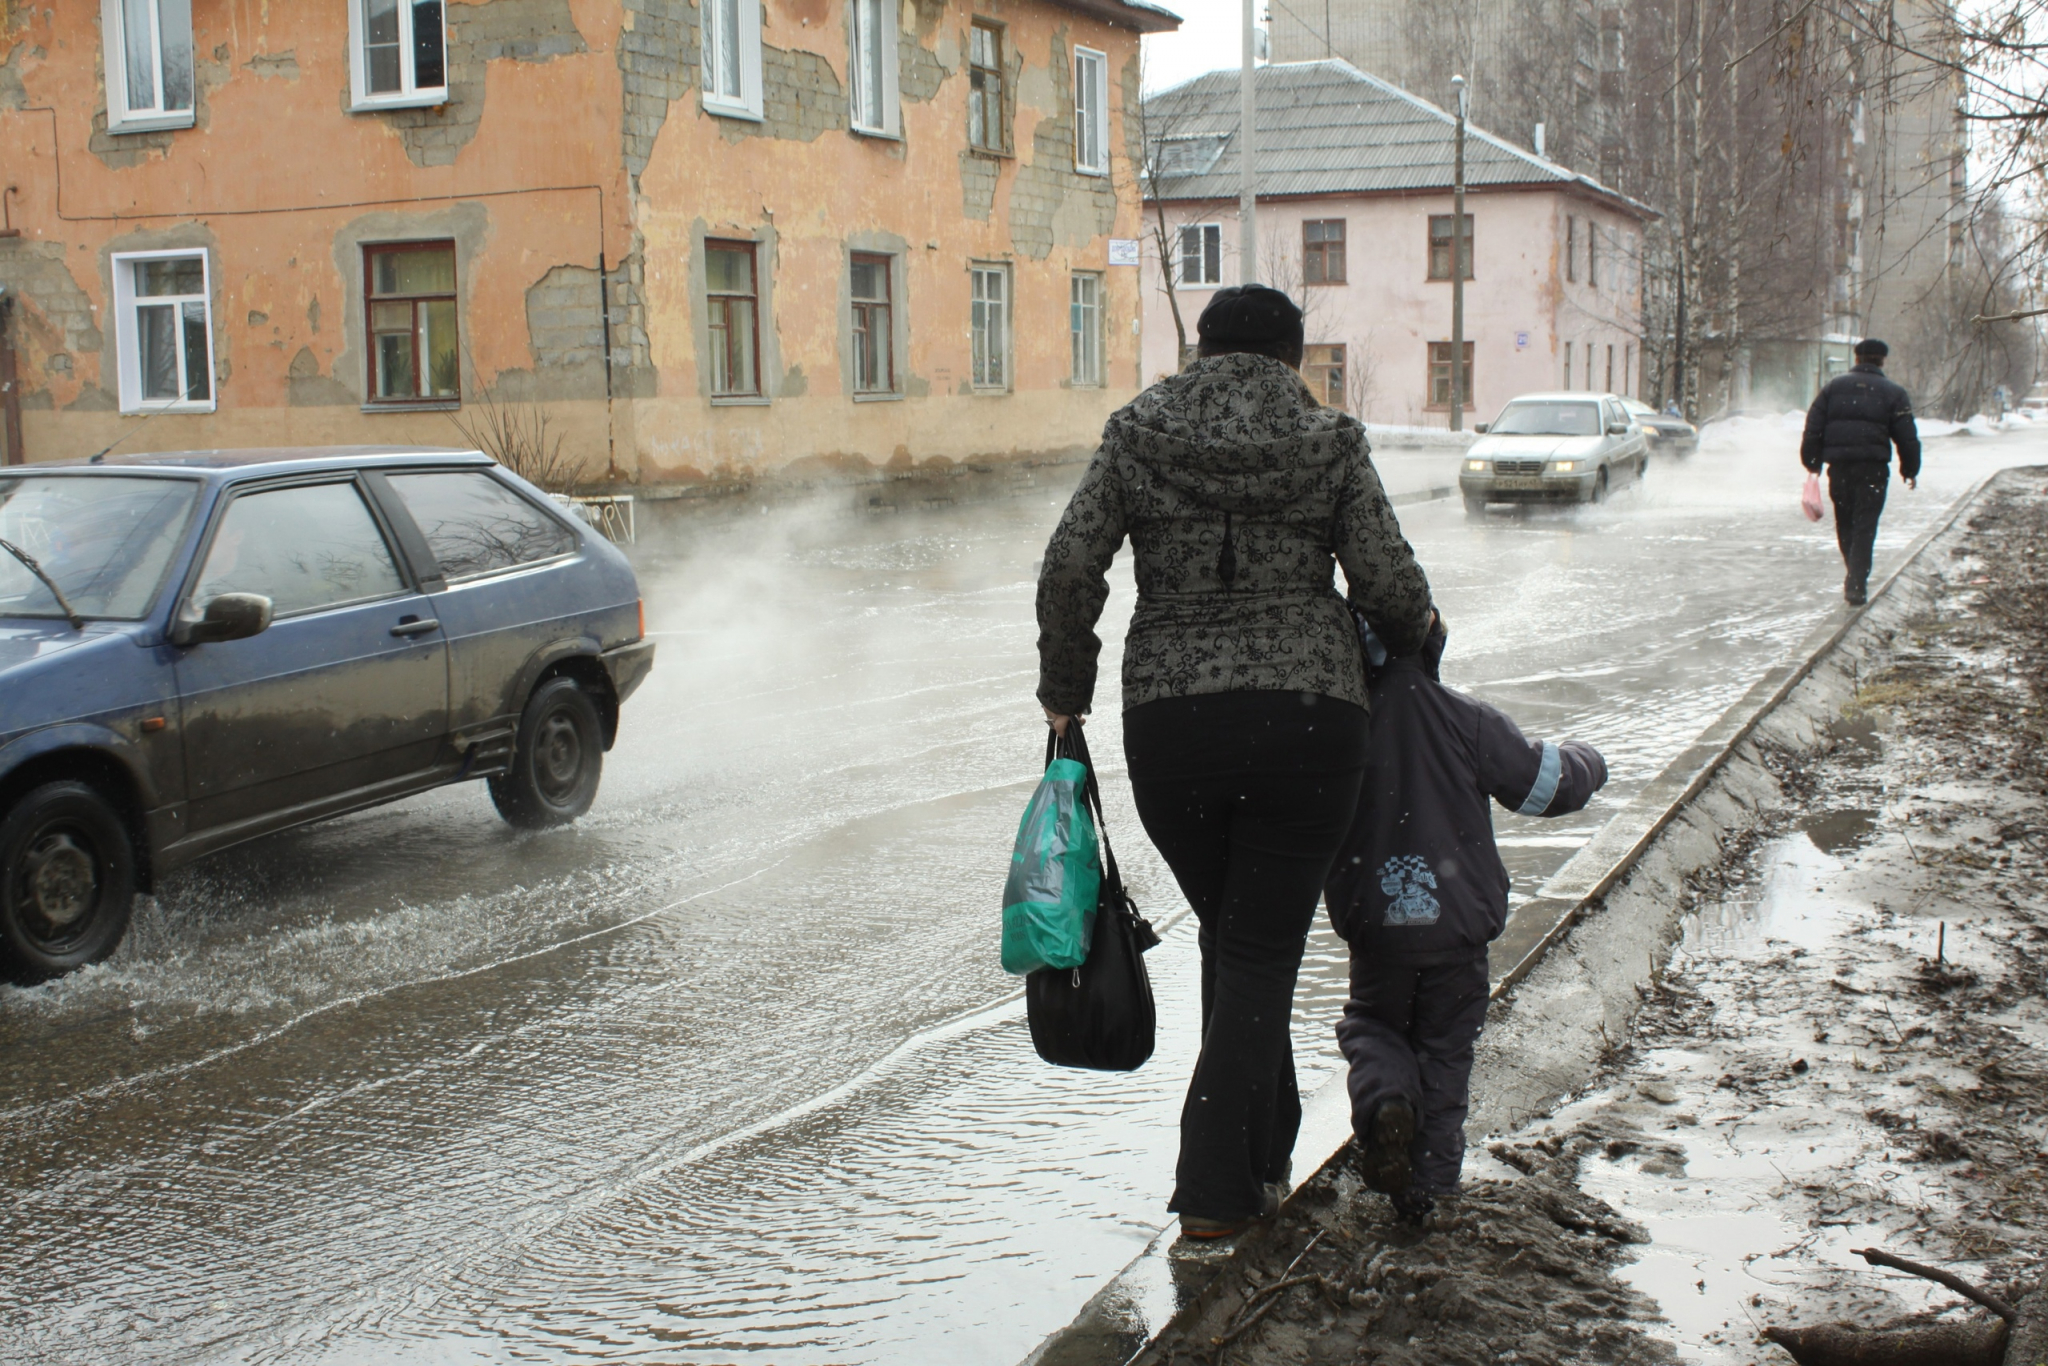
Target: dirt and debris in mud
(1848, 1048)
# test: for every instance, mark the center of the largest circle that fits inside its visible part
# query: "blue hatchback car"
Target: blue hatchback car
(200, 648)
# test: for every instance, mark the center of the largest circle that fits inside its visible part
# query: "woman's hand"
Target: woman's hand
(1059, 722)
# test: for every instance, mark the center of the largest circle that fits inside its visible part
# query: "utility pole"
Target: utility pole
(1247, 193)
(1458, 264)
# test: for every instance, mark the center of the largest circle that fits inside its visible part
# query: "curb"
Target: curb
(1121, 1319)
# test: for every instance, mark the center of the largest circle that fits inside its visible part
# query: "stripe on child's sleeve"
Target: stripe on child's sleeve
(1547, 774)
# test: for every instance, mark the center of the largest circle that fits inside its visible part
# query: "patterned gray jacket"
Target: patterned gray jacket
(1240, 495)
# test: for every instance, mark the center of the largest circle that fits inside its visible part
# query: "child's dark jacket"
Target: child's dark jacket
(1419, 875)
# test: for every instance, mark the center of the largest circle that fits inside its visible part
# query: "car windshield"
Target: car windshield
(1547, 419)
(1638, 408)
(105, 538)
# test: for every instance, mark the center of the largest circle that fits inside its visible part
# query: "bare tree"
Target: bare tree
(519, 435)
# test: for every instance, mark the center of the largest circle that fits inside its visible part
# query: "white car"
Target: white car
(1553, 448)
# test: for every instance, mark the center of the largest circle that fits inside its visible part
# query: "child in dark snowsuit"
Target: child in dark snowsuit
(1419, 891)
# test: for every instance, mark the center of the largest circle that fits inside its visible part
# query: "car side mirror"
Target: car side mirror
(231, 616)
(1617, 429)
(1479, 428)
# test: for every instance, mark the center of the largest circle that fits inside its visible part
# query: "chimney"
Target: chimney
(1539, 140)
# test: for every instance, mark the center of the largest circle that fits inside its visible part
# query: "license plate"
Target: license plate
(1517, 483)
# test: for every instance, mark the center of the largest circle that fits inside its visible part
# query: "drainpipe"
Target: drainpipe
(10, 387)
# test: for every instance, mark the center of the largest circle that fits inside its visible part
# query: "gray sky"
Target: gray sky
(1208, 40)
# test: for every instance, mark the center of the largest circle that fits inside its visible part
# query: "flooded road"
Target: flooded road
(728, 1071)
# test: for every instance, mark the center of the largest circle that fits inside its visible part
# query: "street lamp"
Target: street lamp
(1458, 263)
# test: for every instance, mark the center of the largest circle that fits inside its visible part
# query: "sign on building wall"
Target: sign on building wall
(1521, 341)
(1123, 251)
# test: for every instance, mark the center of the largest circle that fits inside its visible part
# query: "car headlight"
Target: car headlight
(1475, 465)
(1563, 466)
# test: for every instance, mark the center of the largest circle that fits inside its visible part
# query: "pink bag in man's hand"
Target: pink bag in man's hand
(1809, 498)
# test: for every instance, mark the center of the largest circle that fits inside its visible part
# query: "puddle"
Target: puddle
(1834, 831)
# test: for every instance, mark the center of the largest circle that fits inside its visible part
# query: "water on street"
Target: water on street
(728, 1071)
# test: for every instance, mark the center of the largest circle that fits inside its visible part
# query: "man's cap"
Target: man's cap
(1872, 347)
(1253, 315)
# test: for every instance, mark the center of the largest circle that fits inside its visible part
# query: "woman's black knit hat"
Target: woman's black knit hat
(1254, 317)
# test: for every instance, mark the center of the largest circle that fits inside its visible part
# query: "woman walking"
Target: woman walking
(1243, 688)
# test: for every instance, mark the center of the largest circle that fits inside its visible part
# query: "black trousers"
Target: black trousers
(1857, 489)
(1408, 1033)
(1248, 797)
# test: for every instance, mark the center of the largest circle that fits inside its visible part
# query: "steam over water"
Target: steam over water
(728, 1071)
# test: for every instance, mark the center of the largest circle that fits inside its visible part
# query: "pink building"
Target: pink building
(1355, 222)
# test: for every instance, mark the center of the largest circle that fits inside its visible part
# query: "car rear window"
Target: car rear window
(475, 525)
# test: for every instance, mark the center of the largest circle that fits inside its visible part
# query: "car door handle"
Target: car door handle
(412, 626)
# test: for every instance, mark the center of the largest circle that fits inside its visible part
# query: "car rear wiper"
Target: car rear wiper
(70, 612)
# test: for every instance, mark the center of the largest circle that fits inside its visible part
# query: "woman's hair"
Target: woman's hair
(1254, 319)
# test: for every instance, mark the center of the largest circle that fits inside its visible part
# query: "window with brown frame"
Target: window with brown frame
(1440, 246)
(1571, 252)
(1323, 367)
(1440, 376)
(987, 124)
(1322, 251)
(415, 350)
(874, 369)
(731, 302)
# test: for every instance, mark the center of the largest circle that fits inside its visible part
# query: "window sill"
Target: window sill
(722, 110)
(439, 405)
(878, 398)
(146, 409)
(1096, 171)
(992, 153)
(151, 123)
(419, 99)
(878, 134)
(990, 391)
(739, 401)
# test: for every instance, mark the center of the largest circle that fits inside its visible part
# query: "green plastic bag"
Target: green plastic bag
(1055, 876)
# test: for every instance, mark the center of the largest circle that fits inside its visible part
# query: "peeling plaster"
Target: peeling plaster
(275, 65)
(479, 34)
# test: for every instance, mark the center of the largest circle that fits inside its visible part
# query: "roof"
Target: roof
(286, 458)
(1141, 15)
(1325, 127)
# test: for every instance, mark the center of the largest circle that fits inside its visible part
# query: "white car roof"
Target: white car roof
(1562, 396)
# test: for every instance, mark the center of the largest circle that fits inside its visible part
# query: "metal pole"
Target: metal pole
(1247, 196)
(10, 391)
(1458, 265)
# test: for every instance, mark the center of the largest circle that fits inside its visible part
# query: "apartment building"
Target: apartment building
(712, 240)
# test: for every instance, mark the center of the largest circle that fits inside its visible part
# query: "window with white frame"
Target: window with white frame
(148, 60)
(1091, 112)
(1084, 326)
(991, 325)
(1201, 254)
(398, 53)
(873, 66)
(163, 329)
(732, 57)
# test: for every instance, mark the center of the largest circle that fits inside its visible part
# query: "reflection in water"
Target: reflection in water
(722, 1072)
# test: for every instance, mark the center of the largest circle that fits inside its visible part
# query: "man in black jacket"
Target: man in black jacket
(1419, 891)
(1851, 428)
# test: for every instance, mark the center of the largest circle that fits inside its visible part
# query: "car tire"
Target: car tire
(557, 760)
(1475, 509)
(1599, 494)
(67, 881)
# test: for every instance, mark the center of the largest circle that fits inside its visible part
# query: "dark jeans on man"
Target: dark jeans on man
(1857, 489)
(1247, 795)
(1408, 1033)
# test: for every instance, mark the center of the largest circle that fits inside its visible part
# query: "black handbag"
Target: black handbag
(1099, 1015)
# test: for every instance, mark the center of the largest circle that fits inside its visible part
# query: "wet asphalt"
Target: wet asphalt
(728, 1071)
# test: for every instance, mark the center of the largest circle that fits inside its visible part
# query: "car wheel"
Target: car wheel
(557, 760)
(67, 881)
(1600, 486)
(1475, 508)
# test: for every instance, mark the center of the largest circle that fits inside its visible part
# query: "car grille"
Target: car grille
(1518, 467)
